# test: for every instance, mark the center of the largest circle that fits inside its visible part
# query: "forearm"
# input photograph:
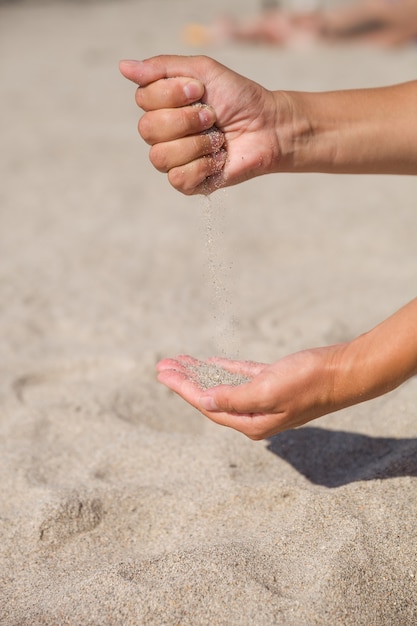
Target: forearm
(366, 131)
(378, 361)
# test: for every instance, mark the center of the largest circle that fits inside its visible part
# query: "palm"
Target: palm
(244, 114)
(283, 395)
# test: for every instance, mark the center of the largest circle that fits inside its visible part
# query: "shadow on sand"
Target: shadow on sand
(336, 458)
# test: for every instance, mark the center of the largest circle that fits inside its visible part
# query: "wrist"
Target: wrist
(307, 134)
(365, 131)
(354, 377)
(377, 361)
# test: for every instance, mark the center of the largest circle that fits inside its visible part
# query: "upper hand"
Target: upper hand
(203, 95)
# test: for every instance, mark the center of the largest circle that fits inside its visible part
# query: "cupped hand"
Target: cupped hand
(208, 126)
(286, 394)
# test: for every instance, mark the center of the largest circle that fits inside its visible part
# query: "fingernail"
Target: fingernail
(130, 69)
(208, 403)
(193, 90)
(207, 117)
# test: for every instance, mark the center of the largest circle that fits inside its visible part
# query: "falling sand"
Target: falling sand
(219, 266)
(219, 277)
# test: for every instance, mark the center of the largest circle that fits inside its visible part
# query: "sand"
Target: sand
(208, 375)
(119, 503)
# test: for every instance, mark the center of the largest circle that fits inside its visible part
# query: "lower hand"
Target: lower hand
(287, 394)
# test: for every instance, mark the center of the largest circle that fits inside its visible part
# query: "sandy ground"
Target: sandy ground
(119, 504)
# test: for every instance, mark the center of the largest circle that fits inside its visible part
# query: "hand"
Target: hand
(304, 385)
(202, 95)
(287, 394)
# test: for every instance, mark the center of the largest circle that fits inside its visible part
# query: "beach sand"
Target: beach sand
(120, 504)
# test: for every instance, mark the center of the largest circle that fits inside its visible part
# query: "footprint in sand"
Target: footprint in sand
(69, 517)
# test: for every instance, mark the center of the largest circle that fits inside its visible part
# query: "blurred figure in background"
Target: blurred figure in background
(301, 22)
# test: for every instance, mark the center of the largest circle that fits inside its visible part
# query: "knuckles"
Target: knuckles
(180, 181)
(158, 158)
(145, 128)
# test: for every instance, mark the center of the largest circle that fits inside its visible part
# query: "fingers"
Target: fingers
(180, 129)
(167, 155)
(180, 382)
(179, 363)
(246, 368)
(187, 145)
(177, 375)
(200, 176)
(170, 124)
(246, 408)
(169, 93)
(167, 66)
(184, 362)
(248, 399)
(235, 407)
(256, 426)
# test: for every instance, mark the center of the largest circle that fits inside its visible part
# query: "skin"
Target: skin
(254, 132)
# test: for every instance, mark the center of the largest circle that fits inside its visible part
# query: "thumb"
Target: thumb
(241, 399)
(164, 66)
